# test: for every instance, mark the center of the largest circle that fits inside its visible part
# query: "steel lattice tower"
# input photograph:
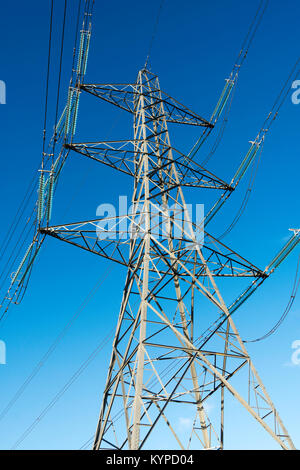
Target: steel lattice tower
(176, 343)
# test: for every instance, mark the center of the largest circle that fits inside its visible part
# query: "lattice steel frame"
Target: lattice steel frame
(159, 360)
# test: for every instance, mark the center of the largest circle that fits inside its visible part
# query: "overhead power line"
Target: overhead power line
(64, 389)
(154, 32)
(158, 358)
(54, 344)
(286, 310)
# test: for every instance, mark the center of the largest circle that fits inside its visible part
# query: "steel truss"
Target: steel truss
(176, 343)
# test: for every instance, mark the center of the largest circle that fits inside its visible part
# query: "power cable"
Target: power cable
(87, 443)
(76, 36)
(59, 74)
(247, 42)
(32, 185)
(58, 339)
(222, 129)
(273, 114)
(238, 64)
(154, 33)
(7, 267)
(17, 217)
(30, 190)
(47, 78)
(54, 345)
(63, 390)
(245, 200)
(286, 310)
(233, 79)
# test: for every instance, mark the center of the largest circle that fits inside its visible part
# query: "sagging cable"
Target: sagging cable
(233, 77)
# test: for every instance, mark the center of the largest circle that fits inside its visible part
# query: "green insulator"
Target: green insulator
(29, 265)
(285, 251)
(86, 52)
(244, 296)
(68, 110)
(282, 252)
(46, 186)
(222, 106)
(59, 125)
(223, 99)
(50, 196)
(214, 209)
(53, 170)
(54, 166)
(240, 301)
(220, 100)
(40, 208)
(75, 114)
(246, 162)
(22, 263)
(250, 160)
(56, 176)
(196, 146)
(80, 52)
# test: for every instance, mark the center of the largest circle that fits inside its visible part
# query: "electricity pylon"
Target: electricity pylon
(176, 344)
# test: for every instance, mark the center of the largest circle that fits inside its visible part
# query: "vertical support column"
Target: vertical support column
(141, 133)
(163, 125)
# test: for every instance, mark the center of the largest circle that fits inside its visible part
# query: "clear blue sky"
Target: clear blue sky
(193, 53)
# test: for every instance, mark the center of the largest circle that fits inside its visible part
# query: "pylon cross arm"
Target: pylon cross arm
(112, 237)
(122, 156)
(124, 96)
